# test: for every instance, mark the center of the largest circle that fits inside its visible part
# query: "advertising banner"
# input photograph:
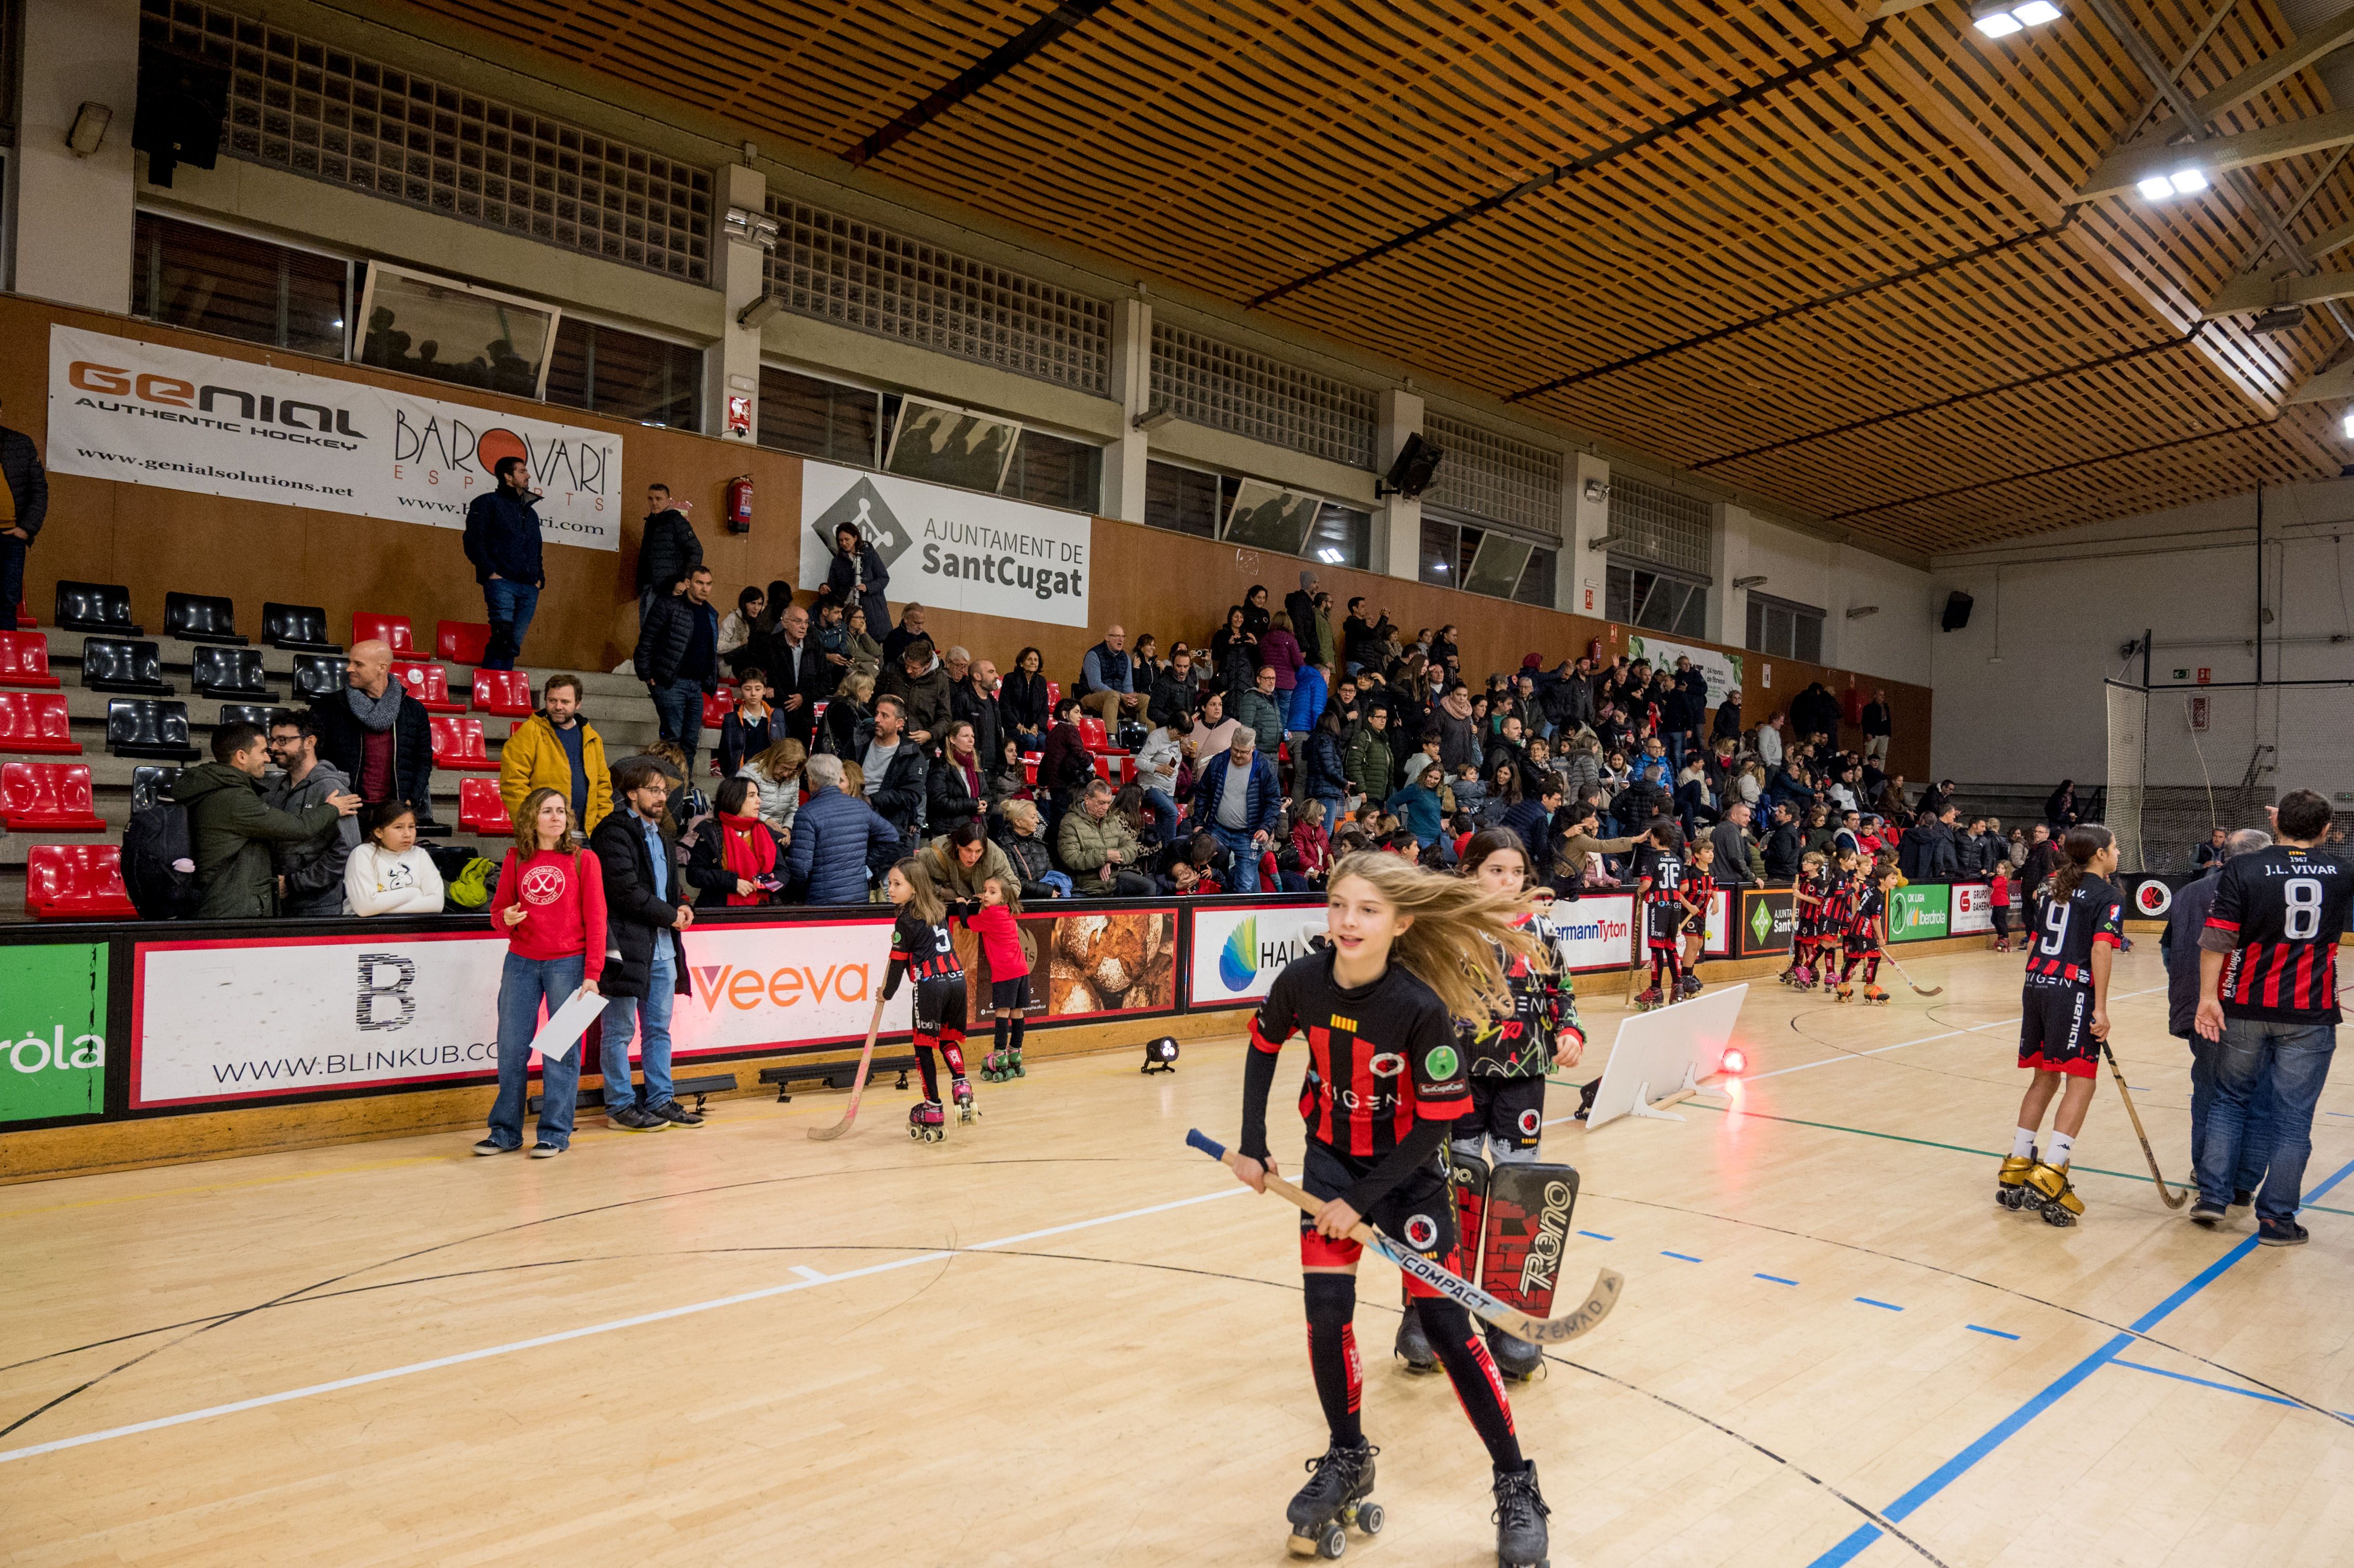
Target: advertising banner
(1100, 965)
(145, 414)
(957, 549)
(1921, 912)
(1595, 932)
(1973, 910)
(1238, 952)
(216, 1020)
(53, 1030)
(1717, 942)
(1768, 919)
(1723, 671)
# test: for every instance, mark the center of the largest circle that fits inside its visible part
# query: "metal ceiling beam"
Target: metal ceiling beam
(1006, 57)
(2307, 49)
(2334, 384)
(2124, 169)
(2252, 292)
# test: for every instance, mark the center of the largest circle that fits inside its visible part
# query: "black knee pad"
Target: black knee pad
(1443, 1319)
(1331, 1300)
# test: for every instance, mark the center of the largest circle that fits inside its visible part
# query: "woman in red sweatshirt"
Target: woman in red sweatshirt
(551, 905)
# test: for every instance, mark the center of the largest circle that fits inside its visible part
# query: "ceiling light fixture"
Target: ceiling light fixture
(2186, 181)
(2347, 425)
(2000, 18)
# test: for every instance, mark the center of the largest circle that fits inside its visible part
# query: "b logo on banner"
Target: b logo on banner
(404, 973)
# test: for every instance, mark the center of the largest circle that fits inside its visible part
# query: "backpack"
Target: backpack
(157, 837)
(468, 879)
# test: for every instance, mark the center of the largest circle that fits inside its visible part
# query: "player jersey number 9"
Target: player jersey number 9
(2301, 921)
(2055, 923)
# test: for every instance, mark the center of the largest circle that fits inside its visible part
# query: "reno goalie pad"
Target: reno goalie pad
(1468, 1175)
(1525, 1230)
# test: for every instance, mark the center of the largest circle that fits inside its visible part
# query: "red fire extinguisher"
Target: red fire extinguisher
(1594, 649)
(740, 504)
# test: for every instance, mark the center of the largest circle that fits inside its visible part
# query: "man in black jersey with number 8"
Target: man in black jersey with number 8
(2268, 994)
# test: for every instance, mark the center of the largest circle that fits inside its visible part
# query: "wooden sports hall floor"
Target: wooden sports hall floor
(1062, 1338)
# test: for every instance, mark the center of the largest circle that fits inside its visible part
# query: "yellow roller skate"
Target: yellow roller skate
(2011, 1188)
(2052, 1190)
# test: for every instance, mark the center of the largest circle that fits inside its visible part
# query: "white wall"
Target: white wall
(1892, 643)
(2057, 609)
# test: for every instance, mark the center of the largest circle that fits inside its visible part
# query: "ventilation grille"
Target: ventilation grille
(1490, 478)
(297, 105)
(1205, 382)
(1651, 523)
(843, 270)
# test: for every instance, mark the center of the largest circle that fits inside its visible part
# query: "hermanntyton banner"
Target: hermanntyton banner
(145, 414)
(957, 549)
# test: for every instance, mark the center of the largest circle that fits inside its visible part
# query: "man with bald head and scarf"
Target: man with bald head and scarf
(376, 734)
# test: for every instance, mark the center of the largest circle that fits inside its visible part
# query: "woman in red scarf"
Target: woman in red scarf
(736, 860)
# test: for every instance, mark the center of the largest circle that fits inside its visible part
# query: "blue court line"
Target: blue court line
(2205, 1383)
(1884, 1305)
(1997, 1333)
(2002, 1431)
(1774, 1279)
(1597, 1235)
(1685, 1255)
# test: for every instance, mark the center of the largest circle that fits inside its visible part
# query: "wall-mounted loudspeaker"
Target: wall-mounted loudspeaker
(1957, 611)
(183, 100)
(1410, 475)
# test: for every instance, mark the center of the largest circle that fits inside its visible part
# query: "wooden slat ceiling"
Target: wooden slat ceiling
(1824, 259)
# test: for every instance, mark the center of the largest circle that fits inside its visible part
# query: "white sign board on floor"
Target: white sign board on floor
(1664, 1050)
(950, 548)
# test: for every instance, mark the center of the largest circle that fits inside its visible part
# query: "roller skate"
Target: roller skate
(1647, 999)
(1791, 976)
(1872, 993)
(1515, 1358)
(1337, 1495)
(2011, 1188)
(1689, 987)
(2049, 1185)
(1846, 991)
(928, 1122)
(1413, 1347)
(960, 1091)
(1519, 1516)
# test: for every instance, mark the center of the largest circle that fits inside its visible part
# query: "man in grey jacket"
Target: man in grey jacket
(310, 871)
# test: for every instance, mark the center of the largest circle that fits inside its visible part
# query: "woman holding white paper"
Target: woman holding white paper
(551, 905)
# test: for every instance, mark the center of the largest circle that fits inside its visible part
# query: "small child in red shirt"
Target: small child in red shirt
(1998, 901)
(993, 920)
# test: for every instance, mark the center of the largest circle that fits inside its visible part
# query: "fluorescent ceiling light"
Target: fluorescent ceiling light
(2000, 18)
(2035, 13)
(2348, 424)
(2186, 181)
(2157, 187)
(1997, 24)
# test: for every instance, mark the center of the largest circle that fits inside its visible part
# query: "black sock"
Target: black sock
(924, 1066)
(1472, 1370)
(1018, 1022)
(1002, 1024)
(1332, 1354)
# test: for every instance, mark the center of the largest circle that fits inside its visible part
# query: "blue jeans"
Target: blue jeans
(523, 984)
(1333, 804)
(2257, 1133)
(2290, 1061)
(1245, 855)
(511, 606)
(678, 705)
(1166, 809)
(1060, 881)
(622, 1015)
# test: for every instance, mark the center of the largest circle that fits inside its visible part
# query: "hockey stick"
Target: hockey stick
(1453, 1285)
(2172, 1200)
(858, 1087)
(1917, 989)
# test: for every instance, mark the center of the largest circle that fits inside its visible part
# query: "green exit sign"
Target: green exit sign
(2182, 674)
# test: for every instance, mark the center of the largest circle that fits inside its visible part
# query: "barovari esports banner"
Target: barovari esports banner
(957, 549)
(139, 412)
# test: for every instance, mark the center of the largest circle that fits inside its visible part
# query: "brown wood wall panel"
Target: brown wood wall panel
(156, 540)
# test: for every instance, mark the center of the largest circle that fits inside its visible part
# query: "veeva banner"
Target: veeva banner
(958, 549)
(145, 414)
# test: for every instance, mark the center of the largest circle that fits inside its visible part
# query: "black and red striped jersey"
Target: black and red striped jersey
(1863, 915)
(1381, 1058)
(2285, 909)
(920, 950)
(1664, 870)
(2063, 931)
(1700, 887)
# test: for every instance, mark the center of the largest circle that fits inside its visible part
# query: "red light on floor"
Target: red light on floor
(1734, 1061)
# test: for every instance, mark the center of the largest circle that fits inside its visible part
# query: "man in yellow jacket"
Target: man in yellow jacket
(555, 747)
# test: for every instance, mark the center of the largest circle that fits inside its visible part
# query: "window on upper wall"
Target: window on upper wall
(1656, 601)
(818, 418)
(444, 330)
(1791, 630)
(1181, 500)
(209, 279)
(1054, 472)
(1343, 537)
(626, 375)
(1485, 561)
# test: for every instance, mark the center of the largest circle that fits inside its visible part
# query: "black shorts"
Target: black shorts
(1010, 995)
(1418, 1212)
(2055, 1030)
(1509, 1110)
(939, 1006)
(1665, 927)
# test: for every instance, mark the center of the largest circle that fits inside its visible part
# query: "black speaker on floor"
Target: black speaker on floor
(1957, 611)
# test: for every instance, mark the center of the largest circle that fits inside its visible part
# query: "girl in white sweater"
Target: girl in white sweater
(388, 873)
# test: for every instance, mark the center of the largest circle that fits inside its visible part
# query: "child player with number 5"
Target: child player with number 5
(2268, 990)
(2072, 939)
(1409, 952)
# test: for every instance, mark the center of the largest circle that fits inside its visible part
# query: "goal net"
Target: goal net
(2184, 760)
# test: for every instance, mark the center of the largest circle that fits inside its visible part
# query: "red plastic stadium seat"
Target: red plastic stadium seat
(458, 746)
(48, 798)
(1054, 694)
(429, 685)
(460, 641)
(37, 721)
(25, 660)
(1093, 735)
(1030, 761)
(391, 629)
(481, 811)
(76, 882)
(715, 709)
(506, 693)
